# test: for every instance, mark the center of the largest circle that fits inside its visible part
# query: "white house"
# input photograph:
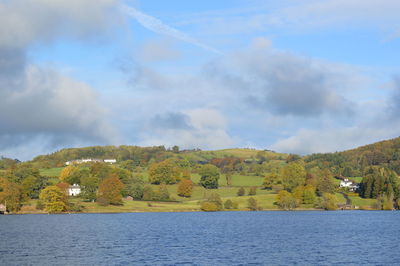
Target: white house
(348, 184)
(89, 160)
(74, 190)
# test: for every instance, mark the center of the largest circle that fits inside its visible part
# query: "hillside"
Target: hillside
(141, 156)
(352, 162)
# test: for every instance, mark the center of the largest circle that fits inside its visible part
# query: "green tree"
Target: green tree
(325, 183)
(241, 192)
(209, 176)
(212, 202)
(148, 193)
(89, 186)
(228, 204)
(285, 200)
(163, 192)
(252, 191)
(53, 199)
(293, 175)
(110, 190)
(252, 204)
(185, 188)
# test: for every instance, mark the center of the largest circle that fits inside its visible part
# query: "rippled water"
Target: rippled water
(223, 238)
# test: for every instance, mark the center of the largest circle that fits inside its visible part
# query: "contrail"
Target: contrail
(158, 26)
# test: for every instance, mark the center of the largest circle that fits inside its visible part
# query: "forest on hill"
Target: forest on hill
(174, 179)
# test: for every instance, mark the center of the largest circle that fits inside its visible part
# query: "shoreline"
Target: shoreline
(193, 210)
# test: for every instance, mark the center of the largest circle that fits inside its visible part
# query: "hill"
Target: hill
(353, 162)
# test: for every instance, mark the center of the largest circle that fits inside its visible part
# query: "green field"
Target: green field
(51, 172)
(265, 198)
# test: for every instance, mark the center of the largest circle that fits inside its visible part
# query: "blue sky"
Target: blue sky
(293, 76)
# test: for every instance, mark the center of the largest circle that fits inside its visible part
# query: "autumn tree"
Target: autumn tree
(53, 199)
(185, 188)
(164, 172)
(285, 200)
(328, 202)
(293, 175)
(11, 195)
(270, 180)
(209, 176)
(67, 172)
(110, 191)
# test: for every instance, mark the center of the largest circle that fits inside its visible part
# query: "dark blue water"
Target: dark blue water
(223, 238)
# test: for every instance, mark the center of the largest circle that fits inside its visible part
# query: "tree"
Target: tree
(110, 191)
(325, 182)
(67, 172)
(253, 191)
(185, 188)
(228, 204)
(164, 172)
(329, 202)
(293, 175)
(89, 186)
(163, 193)
(305, 194)
(212, 202)
(11, 195)
(241, 192)
(32, 185)
(53, 199)
(270, 180)
(228, 177)
(286, 200)
(252, 204)
(148, 193)
(209, 176)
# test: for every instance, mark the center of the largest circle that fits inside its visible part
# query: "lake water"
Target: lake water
(222, 238)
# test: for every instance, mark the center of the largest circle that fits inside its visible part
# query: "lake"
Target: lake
(222, 238)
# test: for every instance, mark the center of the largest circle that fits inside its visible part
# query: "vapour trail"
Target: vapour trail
(158, 26)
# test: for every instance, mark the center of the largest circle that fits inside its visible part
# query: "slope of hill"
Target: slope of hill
(352, 162)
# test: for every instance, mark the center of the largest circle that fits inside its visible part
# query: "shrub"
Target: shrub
(253, 191)
(228, 204)
(209, 207)
(252, 204)
(241, 192)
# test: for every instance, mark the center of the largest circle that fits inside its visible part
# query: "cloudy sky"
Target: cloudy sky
(299, 76)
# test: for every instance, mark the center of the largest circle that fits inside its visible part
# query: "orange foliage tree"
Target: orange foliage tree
(185, 188)
(110, 191)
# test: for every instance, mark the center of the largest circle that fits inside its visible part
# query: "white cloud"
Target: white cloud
(206, 130)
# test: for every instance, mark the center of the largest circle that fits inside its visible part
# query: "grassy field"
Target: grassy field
(265, 198)
(51, 172)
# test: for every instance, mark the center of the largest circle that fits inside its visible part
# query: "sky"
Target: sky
(294, 76)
